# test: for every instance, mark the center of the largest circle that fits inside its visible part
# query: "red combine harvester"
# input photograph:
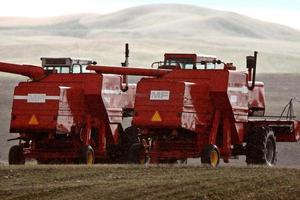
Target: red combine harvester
(190, 109)
(67, 114)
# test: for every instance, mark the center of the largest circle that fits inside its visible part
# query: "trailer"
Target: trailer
(67, 114)
(190, 108)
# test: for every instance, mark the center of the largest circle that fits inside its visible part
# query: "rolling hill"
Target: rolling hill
(151, 30)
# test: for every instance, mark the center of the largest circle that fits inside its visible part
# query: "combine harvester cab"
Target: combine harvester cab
(67, 114)
(191, 109)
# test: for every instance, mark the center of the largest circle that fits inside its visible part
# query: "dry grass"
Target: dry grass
(140, 182)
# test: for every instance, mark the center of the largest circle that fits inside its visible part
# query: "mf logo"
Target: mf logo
(160, 95)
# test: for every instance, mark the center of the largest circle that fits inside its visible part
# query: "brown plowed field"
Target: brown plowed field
(147, 182)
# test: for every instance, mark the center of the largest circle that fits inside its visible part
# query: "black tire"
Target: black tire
(130, 136)
(261, 147)
(87, 155)
(211, 156)
(136, 154)
(16, 155)
(115, 153)
(118, 153)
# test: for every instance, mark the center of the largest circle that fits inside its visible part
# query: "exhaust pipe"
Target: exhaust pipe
(124, 87)
(251, 65)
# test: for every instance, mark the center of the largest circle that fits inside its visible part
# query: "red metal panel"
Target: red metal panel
(169, 108)
(257, 97)
(238, 95)
(225, 149)
(29, 100)
(214, 128)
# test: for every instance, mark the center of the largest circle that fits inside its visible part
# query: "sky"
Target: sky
(286, 12)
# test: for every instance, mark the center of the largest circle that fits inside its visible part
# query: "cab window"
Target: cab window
(77, 69)
(206, 66)
(188, 66)
(182, 63)
(84, 70)
(64, 70)
(59, 69)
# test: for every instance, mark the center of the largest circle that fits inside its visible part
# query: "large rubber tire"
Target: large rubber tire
(87, 155)
(210, 156)
(130, 136)
(115, 153)
(118, 153)
(261, 147)
(16, 156)
(136, 154)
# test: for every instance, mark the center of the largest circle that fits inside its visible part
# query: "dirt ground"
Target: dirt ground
(147, 182)
(279, 89)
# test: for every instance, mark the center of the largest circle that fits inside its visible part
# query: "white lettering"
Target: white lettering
(159, 95)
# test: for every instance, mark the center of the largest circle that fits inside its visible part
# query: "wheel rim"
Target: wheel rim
(270, 152)
(214, 158)
(90, 158)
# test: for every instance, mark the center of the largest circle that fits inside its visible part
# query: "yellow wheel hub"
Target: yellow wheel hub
(142, 160)
(214, 158)
(90, 158)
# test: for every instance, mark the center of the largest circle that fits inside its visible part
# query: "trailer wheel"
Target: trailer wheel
(136, 154)
(16, 156)
(261, 147)
(115, 154)
(87, 155)
(211, 155)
